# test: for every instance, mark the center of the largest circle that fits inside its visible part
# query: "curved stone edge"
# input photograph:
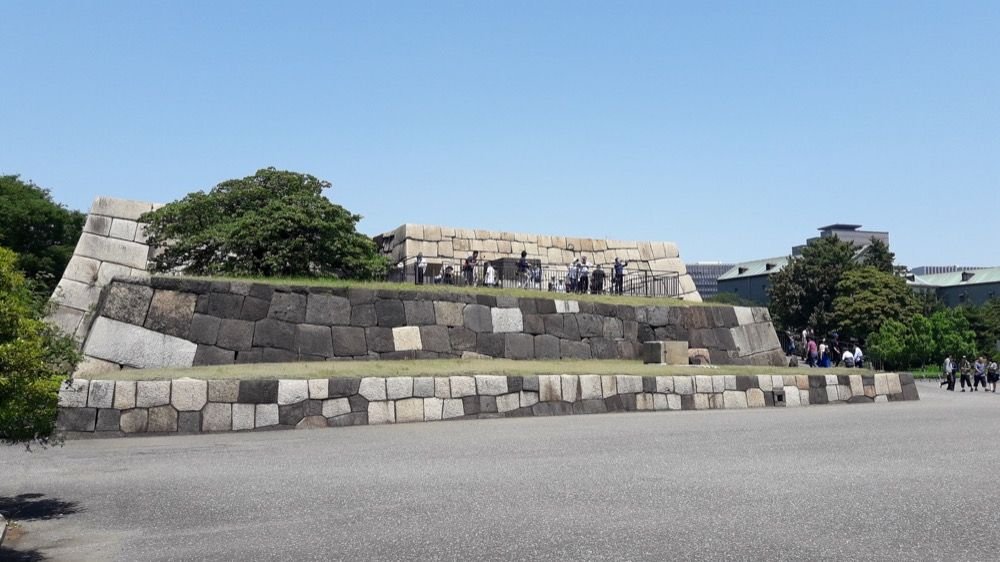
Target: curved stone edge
(185, 406)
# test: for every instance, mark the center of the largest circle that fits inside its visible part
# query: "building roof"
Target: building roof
(959, 278)
(840, 226)
(754, 268)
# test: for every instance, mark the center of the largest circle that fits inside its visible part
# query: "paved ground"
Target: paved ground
(901, 481)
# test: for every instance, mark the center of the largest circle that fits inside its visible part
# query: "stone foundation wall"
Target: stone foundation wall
(181, 322)
(191, 406)
(447, 245)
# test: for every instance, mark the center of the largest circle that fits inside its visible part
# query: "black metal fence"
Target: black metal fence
(503, 273)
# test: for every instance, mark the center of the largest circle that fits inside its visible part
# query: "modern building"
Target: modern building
(935, 269)
(846, 232)
(957, 288)
(751, 280)
(706, 276)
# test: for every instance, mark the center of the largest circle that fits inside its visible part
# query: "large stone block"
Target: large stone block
(519, 346)
(570, 387)
(462, 386)
(492, 345)
(574, 350)
(243, 416)
(363, 315)
(224, 305)
(390, 314)
(703, 384)
(478, 318)
(137, 347)
(419, 312)
(755, 398)
(449, 313)
(410, 410)
(406, 338)
(735, 399)
(507, 320)
(189, 395)
(238, 335)
(134, 421)
(380, 340)
(258, 391)
(452, 408)
(223, 390)
(373, 389)
(152, 393)
(162, 419)
(609, 385)
(170, 312)
(274, 333)
(336, 407)
(491, 385)
(792, 396)
(124, 395)
(314, 340)
(432, 408)
(344, 387)
(546, 347)
(292, 391)
(122, 252)
(590, 387)
(108, 420)
(205, 329)
(328, 310)
(382, 412)
(288, 307)
(349, 341)
(549, 388)
(82, 269)
(99, 394)
(211, 355)
(127, 302)
(399, 387)
(319, 389)
(266, 415)
(77, 419)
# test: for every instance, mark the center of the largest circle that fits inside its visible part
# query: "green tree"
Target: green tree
(34, 360)
(952, 334)
(802, 293)
(42, 232)
(867, 297)
(920, 345)
(888, 344)
(876, 254)
(274, 223)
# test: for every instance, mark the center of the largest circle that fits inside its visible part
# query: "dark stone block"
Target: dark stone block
(108, 419)
(314, 408)
(687, 402)
(358, 403)
(905, 379)
(629, 349)
(645, 333)
(189, 422)
(520, 413)
(363, 316)
(170, 313)
(170, 283)
(354, 418)
(818, 395)
(435, 338)
(224, 305)
(519, 346)
(603, 348)
(552, 409)
(533, 324)
(896, 397)
(204, 329)
(591, 326)
(340, 387)
(486, 300)
(527, 306)
(219, 287)
(910, 392)
(478, 318)
(77, 419)
(746, 382)
(291, 414)
(628, 402)
(314, 340)
(545, 306)
(270, 332)
(261, 291)
(625, 313)
(236, 334)
(529, 383)
(254, 309)
(419, 313)
(470, 405)
(251, 356)
(328, 310)
(868, 380)
(380, 340)
(590, 407)
(386, 295)
(201, 306)
(860, 400)
(211, 355)
(672, 333)
(487, 404)
(768, 398)
(574, 350)
(349, 341)
(649, 384)
(127, 302)
(614, 403)
(462, 339)
(515, 383)
(288, 307)
(275, 355)
(554, 325)
(360, 296)
(547, 347)
(490, 344)
(586, 307)
(817, 381)
(390, 313)
(657, 316)
(604, 309)
(613, 328)
(399, 355)
(571, 328)
(844, 380)
(258, 391)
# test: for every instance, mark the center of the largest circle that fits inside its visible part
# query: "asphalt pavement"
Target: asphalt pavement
(897, 481)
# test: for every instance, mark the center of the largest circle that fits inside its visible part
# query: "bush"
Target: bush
(34, 360)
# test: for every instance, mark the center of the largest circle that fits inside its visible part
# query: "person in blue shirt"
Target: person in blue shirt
(618, 276)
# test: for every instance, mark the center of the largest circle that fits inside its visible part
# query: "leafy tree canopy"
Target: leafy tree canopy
(877, 255)
(42, 232)
(34, 360)
(802, 293)
(274, 223)
(867, 297)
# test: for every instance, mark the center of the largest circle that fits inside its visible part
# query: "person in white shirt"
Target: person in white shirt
(859, 358)
(491, 275)
(847, 358)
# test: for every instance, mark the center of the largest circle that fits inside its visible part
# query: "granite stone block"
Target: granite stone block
(258, 391)
(162, 419)
(108, 419)
(390, 314)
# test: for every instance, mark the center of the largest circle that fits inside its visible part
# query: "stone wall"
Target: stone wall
(190, 406)
(447, 245)
(112, 245)
(180, 322)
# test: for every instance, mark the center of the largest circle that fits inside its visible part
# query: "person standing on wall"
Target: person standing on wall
(598, 281)
(522, 270)
(618, 276)
(420, 269)
(583, 276)
(469, 268)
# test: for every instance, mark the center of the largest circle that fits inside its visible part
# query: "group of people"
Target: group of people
(829, 352)
(983, 372)
(579, 278)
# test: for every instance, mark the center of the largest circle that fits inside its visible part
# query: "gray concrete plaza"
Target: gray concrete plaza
(910, 480)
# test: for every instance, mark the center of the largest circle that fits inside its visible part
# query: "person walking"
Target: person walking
(992, 375)
(964, 369)
(583, 276)
(469, 268)
(523, 268)
(812, 352)
(979, 373)
(618, 276)
(949, 373)
(859, 357)
(420, 268)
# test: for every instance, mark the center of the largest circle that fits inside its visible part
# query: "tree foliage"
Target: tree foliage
(867, 297)
(802, 293)
(922, 340)
(34, 360)
(42, 232)
(274, 223)
(877, 255)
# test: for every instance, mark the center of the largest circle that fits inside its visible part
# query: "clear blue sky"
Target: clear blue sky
(734, 129)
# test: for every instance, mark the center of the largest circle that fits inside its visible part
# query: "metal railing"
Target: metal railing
(641, 283)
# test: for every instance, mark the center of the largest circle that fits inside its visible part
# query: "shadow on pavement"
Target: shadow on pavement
(9, 555)
(29, 507)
